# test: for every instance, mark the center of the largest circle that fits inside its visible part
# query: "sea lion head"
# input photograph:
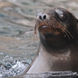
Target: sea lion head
(57, 28)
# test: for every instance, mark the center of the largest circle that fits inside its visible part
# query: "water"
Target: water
(17, 20)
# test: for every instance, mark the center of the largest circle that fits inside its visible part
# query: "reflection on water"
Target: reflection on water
(17, 19)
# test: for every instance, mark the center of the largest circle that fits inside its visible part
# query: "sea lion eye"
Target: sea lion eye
(60, 15)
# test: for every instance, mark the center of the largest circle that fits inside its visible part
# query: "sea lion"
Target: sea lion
(58, 33)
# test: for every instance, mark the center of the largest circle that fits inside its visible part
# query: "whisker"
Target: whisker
(69, 33)
(64, 29)
(35, 29)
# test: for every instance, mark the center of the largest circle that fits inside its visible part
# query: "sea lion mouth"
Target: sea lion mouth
(46, 29)
(43, 27)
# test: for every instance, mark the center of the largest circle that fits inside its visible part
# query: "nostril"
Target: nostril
(44, 17)
(40, 17)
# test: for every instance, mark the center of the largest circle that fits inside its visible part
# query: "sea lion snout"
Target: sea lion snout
(48, 21)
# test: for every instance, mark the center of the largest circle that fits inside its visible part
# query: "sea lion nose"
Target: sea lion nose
(42, 16)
